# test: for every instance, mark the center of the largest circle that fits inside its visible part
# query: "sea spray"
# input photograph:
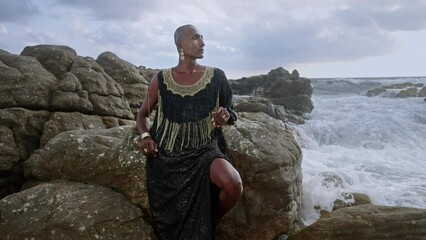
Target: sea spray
(372, 145)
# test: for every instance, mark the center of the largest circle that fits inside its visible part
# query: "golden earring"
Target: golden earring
(182, 54)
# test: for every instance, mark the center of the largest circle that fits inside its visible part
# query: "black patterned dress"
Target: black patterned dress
(183, 201)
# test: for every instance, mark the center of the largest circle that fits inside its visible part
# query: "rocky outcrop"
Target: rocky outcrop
(259, 104)
(279, 86)
(127, 75)
(367, 222)
(63, 116)
(69, 210)
(98, 156)
(264, 152)
(49, 89)
(269, 160)
(400, 90)
(147, 73)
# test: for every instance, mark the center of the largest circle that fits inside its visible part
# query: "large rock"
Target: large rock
(69, 210)
(266, 155)
(422, 92)
(127, 75)
(268, 159)
(82, 85)
(98, 156)
(279, 86)
(368, 222)
(66, 121)
(400, 90)
(20, 133)
(24, 82)
(46, 90)
(259, 104)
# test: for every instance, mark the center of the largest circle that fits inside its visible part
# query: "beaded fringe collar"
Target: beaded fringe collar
(187, 90)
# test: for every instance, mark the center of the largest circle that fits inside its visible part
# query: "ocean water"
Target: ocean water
(371, 145)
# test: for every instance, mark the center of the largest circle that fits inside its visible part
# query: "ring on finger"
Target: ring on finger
(224, 117)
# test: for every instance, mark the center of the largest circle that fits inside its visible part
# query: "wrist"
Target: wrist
(145, 135)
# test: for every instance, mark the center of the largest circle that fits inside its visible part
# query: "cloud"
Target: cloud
(386, 15)
(125, 10)
(285, 34)
(239, 34)
(17, 11)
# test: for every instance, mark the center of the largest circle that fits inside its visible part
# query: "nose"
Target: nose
(202, 42)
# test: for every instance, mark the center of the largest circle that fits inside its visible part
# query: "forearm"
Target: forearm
(142, 122)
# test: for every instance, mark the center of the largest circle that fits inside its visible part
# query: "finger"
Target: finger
(153, 147)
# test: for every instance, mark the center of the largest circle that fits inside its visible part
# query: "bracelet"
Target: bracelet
(145, 135)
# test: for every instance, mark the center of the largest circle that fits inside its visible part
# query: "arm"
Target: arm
(148, 146)
(225, 114)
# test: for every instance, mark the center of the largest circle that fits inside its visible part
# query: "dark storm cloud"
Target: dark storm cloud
(17, 10)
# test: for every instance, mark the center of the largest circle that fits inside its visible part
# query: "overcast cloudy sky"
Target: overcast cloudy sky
(319, 38)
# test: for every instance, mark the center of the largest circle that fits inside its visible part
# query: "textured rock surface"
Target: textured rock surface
(368, 222)
(127, 75)
(25, 83)
(279, 86)
(82, 84)
(49, 89)
(69, 210)
(265, 154)
(400, 90)
(98, 156)
(259, 104)
(20, 133)
(268, 159)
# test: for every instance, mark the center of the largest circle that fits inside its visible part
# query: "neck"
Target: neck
(186, 66)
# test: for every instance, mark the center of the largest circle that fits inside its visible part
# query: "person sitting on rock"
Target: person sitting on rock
(191, 184)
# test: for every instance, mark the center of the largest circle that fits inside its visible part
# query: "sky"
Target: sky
(319, 38)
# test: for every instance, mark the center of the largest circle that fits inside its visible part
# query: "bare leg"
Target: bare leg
(226, 177)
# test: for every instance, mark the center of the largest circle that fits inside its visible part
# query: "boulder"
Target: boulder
(66, 121)
(20, 133)
(127, 75)
(69, 210)
(259, 104)
(282, 88)
(98, 156)
(351, 199)
(263, 151)
(80, 84)
(367, 222)
(268, 158)
(409, 92)
(24, 82)
(400, 90)
(422, 92)
(57, 59)
(147, 73)
(46, 90)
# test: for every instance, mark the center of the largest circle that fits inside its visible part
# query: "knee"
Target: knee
(234, 188)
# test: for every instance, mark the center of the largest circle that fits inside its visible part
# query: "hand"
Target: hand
(220, 117)
(148, 147)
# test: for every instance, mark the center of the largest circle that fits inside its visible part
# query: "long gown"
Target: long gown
(183, 201)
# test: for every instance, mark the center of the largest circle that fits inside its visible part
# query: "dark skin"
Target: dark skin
(188, 72)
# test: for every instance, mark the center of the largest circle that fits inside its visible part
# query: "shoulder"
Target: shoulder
(217, 73)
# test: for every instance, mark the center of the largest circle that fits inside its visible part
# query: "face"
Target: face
(192, 43)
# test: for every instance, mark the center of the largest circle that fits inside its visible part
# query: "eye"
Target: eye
(197, 36)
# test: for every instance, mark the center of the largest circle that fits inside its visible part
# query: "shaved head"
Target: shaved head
(180, 31)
